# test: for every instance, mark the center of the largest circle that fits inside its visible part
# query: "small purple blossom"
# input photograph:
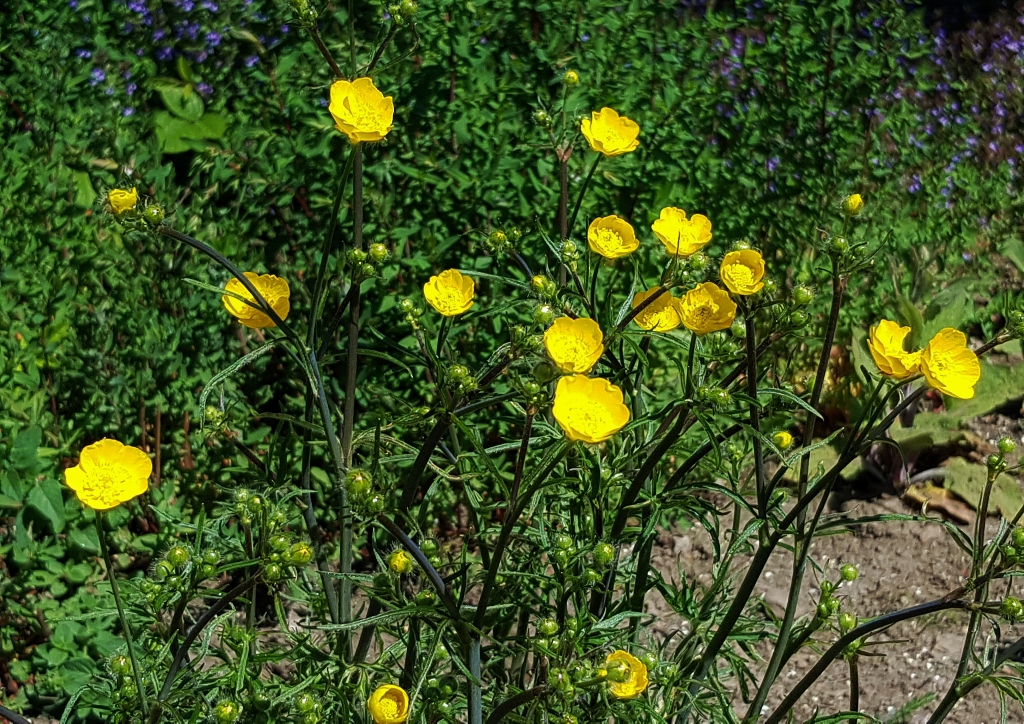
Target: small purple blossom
(164, 53)
(130, 89)
(98, 76)
(211, 6)
(323, 102)
(128, 110)
(136, 6)
(83, 53)
(483, 40)
(773, 163)
(213, 39)
(585, 38)
(204, 89)
(251, 61)
(72, 4)
(109, 90)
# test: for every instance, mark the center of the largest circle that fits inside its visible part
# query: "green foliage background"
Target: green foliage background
(761, 118)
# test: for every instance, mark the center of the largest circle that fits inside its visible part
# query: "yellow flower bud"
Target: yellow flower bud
(571, 77)
(627, 675)
(400, 562)
(852, 205)
(121, 201)
(783, 440)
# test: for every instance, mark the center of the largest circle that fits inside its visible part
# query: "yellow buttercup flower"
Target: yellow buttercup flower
(108, 474)
(682, 236)
(885, 342)
(742, 272)
(612, 237)
(574, 345)
(707, 308)
(274, 289)
(450, 292)
(853, 204)
(627, 675)
(389, 704)
(400, 562)
(361, 111)
(609, 133)
(121, 201)
(949, 365)
(589, 409)
(783, 440)
(661, 315)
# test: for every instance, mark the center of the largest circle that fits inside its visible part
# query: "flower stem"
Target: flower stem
(136, 671)
(579, 199)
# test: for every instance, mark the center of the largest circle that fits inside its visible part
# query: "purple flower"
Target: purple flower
(164, 53)
(187, 5)
(204, 89)
(130, 89)
(1019, 148)
(202, 56)
(213, 39)
(211, 6)
(140, 52)
(84, 54)
(285, 29)
(585, 38)
(483, 40)
(993, 146)
(128, 110)
(251, 61)
(773, 163)
(72, 4)
(159, 34)
(323, 102)
(136, 6)
(98, 76)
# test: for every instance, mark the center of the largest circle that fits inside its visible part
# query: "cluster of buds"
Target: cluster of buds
(569, 253)
(403, 12)
(714, 397)
(1013, 552)
(1015, 323)
(309, 708)
(284, 553)
(305, 13)
(215, 420)
(828, 604)
(499, 240)
(536, 398)
(412, 312)
(543, 119)
(177, 570)
(365, 263)
(460, 379)
(523, 342)
(544, 288)
(124, 205)
(997, 462)
(361, 492)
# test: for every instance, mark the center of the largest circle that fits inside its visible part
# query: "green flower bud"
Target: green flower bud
(227, 712)
(548, 627)
(255, 504)
(458, 372)
(1011, 609)
(153, 214)
(400, 562)
(379, 253)
(357, 256)
(408, 8)
(211, 557)
(847, 622)
(1018, 537)
(802, 296)
(207, 571)
(121, 665)
(543, 372)
(544, 315)
(603, 554)
(441, 653)
(995, 462)
(358, 483)
(539, 284)
(563, 542)
(649, 660)
(272, 572)
(300, 554)
(849, 572)
(406, 306)
(163, 569)
(382, 581)
(242, 496)
(497, 239)
(799, 319)
(1006, 445)
(305, 703)
(430, 547)
(280, 542)
(178, 556)
(699, 261)
(541, 116)
(839, 245)
(591, 577)
(741, 245)
(426, 597)
(367, 270)
(571, 78)
(769, 286)
(738, 329)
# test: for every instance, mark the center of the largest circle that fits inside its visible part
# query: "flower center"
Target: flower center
(390, 705)
(588, 416)
(741, 275)
(609, 239)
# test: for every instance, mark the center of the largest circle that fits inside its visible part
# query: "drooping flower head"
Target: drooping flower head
(609, 133)
(612, 237)
(450, 292)
(661, 315)
(574, 345)
(886, 343)
(680, 235)
(389, 704)
(274, 289)
(627, 675)
(707, 308)
(589, 409)
(949, 365)
(121, 201)
(108, 474)
(361, 111)
(742, 272)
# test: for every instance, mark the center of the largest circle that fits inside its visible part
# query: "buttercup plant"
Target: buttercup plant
(474, 543)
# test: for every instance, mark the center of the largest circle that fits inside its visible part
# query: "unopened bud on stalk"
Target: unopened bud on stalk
(400, 562)
(544, 315)
(1011, 609)
(153, 214)
(379, 252)
(852, 205)
(802, 296)
(227, 712)
(571, 78)
(783, 440)
(849, 572)
(541, 116)
(847, 622)
(1006, 445)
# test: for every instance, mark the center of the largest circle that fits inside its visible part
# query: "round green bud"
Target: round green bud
(799, 319)
(430, 547)
(802, 296)
(406, 305)
(272, 572)
(121, 665)
(305, 703)
(374, 503)
(563, 542)
(541, 116)
(163, 569)
(1018, 537)
(738, 329)
(1009, 552)
(849, 572)
(721, 397)
(649, 660)
(227, 712)
(1011, 609)
(382, 581)
(572, 626)
(280, 542)
(995, 462)
(207, 571)
(741, 245)
(539, 284)
(570, 719)
(358, 483)
(153, 214)
(426, 597)
(357, 256)
(260, 699)
(834, 604)
(242, 496)
(591, 577)
(769, 286)
(823, 610)
(408, 8)
(178, 556)
(569, 247)
(379, 252)
(603, 554)
(458, 372)
(311, 718)
(1006, 445)
(699, 261)
(548, 627)
(847, 622)
(255, 504)
(839, 245)
(543, 372)
(544, 315)
(211, 557)
(435, 561)
(445, 708)
(497, 238)
(367, 270)
(300, 554)
(571, 78)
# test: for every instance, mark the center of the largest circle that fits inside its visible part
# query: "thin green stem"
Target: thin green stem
(579, 199)
(755, 413)
(956, 693)
(129, 639)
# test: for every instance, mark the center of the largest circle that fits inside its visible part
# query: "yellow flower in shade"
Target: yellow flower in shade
(450, 293)
(706, 308)
(574, 345)
(742, 272)
(627, 675)
(609, 133)
(661, 315)
(886, 342)
(361, 111)
(681, 236)
(949, 365)
(783, 440)
(108, 474)
(274, 289)
(589, 409)
(612, 237)
(121, 201)
(389, 704)
(852, 205)
(400, 562)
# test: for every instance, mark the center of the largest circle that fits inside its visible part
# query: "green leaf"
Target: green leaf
(85, 194)
(182, 102)
(25, 452)
(47, 498)
(1013, 249)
